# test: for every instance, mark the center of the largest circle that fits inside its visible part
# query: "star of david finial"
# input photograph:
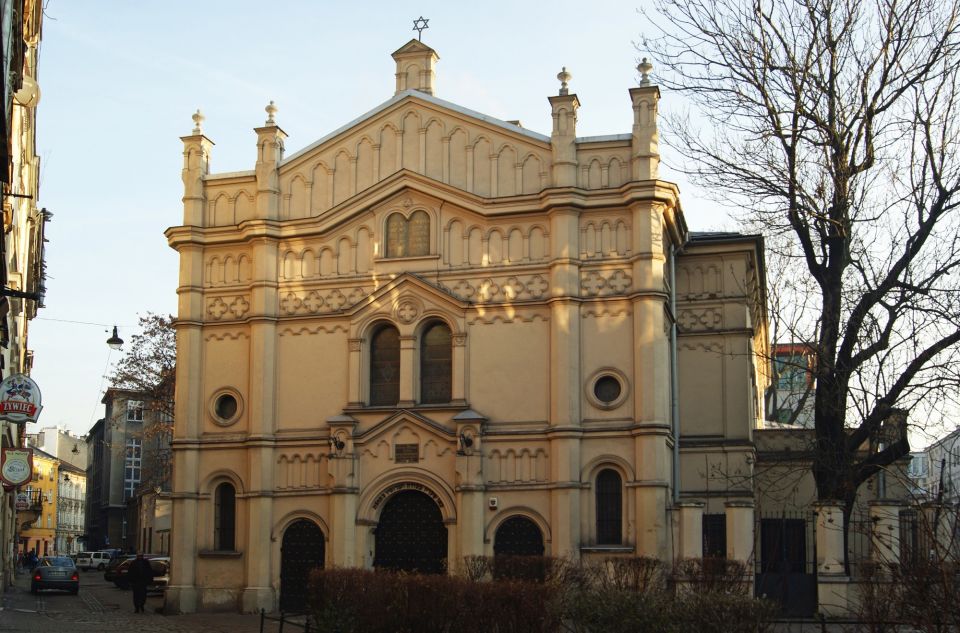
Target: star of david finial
(420, 25)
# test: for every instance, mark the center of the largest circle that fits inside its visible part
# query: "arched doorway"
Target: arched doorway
(301, 551)
(518, 536)
(410, 535)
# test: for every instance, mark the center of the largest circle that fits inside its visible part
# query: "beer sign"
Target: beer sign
(19, 399)
(16, 468)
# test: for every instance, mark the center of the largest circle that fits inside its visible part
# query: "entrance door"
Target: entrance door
(518, 536)
(302, 550)
(410, 535)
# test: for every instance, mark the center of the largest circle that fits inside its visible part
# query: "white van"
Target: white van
(93, 560)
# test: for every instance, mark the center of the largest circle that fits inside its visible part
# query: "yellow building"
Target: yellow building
(40, 537)
(434, 334)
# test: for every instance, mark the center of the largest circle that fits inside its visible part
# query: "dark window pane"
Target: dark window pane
(607, 389)
(714, 536)
(385, 367)
(436, 356)
(609, 496)
(225, 514)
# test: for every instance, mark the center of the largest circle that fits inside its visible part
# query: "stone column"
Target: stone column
(690, 537)
(885, 531)
(408, 361)
(740, 530)
(833, 583)
(471, 503)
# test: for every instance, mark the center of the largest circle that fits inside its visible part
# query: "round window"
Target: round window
(607, 389)
(226, 406)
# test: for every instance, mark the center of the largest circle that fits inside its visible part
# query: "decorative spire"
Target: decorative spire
(420, 25)
(564, 77)
(644, 67)
(270, 110)
(198, 122)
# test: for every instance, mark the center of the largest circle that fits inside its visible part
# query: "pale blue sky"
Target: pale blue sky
(120, 80)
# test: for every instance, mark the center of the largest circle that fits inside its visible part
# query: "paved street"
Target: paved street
(100, 606)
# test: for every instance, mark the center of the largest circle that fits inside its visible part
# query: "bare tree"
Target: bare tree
(148, 366)
(833, 126)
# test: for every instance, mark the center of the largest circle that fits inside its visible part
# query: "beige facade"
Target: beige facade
(550, 267)
(22, 241)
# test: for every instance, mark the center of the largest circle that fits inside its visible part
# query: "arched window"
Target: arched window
(408, 237)
(436, 356)
(385, 366)
(609, 497)
(225, 518)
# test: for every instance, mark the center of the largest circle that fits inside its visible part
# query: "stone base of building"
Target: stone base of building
(834, 595)
(254, 599)
(180, 599)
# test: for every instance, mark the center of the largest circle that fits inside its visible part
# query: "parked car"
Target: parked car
(110, 572)
(55, 572)
(161, 574)
(159, 564)
(94, 560)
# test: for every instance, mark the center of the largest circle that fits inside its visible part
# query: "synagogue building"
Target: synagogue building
(434, 334)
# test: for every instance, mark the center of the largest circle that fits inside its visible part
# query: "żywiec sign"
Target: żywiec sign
(19, 399)
(16, 468)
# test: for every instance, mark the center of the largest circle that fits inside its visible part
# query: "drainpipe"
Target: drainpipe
(674, 376)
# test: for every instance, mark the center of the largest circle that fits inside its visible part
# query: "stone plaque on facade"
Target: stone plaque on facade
(406, 453)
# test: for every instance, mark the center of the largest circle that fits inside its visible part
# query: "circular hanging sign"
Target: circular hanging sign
(19, 399)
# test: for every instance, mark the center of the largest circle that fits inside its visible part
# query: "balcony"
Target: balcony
(26, 517)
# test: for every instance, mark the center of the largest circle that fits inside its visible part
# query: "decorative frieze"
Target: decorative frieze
(707, 318)
(227, 308)
(500, 289)
(319, 301)
(605, 283)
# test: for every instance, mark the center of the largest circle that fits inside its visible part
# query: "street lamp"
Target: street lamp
(115, 342)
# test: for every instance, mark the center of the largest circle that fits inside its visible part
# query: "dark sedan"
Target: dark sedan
(110, 573)
(55, 572)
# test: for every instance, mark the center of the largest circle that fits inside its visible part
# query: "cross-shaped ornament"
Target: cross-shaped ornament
(420, 25)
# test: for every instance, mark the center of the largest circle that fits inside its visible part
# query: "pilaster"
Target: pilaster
(690, 540)
(740, 526)
(885, 531)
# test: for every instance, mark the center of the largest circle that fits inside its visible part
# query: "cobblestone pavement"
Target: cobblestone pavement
(101, 607)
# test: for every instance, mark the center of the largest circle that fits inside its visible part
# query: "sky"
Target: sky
(120, 81)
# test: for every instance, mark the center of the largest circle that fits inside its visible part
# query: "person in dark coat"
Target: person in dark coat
(140, 575)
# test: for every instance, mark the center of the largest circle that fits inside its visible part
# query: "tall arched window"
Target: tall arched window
(385, 366)
(436, 356)
(609, 497)
(225, 518)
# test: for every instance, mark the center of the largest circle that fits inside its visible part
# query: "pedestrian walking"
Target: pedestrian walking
(140, 575)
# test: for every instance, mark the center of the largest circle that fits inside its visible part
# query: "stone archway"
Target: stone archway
(302, 550)
(410, 535)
